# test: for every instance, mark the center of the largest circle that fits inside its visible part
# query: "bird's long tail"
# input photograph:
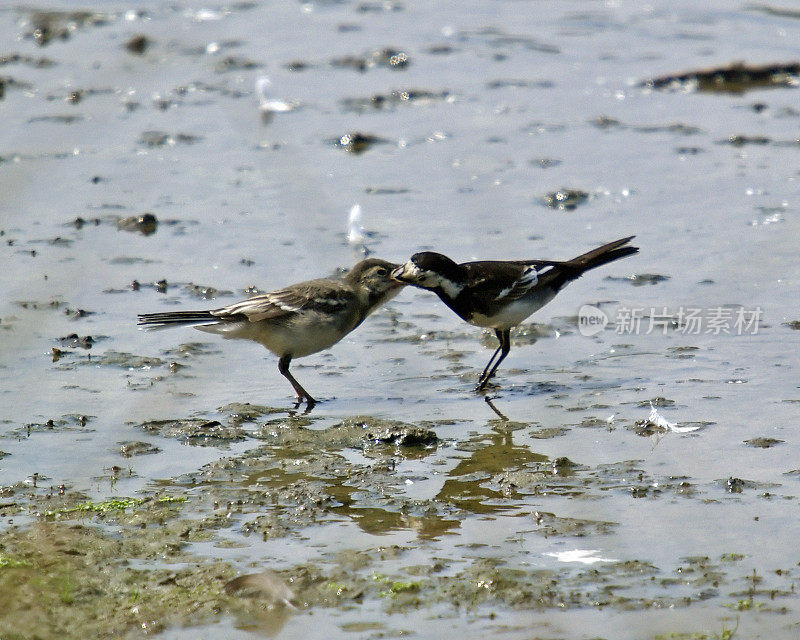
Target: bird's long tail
(564, 272)
(603, 255)
(175, 318)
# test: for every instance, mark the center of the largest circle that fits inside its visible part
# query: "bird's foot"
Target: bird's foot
(308, 400)
(482, 384)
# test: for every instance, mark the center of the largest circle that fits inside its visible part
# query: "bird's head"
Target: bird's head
(375, 275)
(432, 271)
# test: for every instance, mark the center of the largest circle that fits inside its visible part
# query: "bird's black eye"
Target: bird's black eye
(382, 271)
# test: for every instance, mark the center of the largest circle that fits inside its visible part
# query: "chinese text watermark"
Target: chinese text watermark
(683, 320)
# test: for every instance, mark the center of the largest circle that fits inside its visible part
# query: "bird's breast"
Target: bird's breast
(512, 314)
(296, 335)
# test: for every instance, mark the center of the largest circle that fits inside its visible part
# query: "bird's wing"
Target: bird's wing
(527, 280)
(326, 296)
(500, 282)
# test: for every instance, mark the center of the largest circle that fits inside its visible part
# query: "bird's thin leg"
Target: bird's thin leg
(497, 332)
(504, 336)
(302, 394)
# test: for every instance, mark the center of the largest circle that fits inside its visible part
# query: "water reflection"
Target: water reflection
(493, 453)
(311, 479)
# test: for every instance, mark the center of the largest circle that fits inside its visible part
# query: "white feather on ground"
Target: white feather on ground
(267, 102)
(658, 420)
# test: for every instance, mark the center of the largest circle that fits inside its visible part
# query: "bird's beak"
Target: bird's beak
(399, 274)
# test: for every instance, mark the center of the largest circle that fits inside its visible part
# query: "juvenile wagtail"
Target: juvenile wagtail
(499, 294)
(301, 319)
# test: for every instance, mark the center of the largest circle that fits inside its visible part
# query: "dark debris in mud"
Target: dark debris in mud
(550, 525)
(53, 305)
(387, 57)
(640, 279)
(647, 427)
(684, 352)
(356, 142)
(545, 163)
(519, 83)
(68, 423)
(190, 350)
(111, 358)
(565, 199)
(26, 60)
(242, 412)
(73, 340)
(379, 102)
(737, 77)
(145, 223)
(61, 118)
(576, 481)
(545, 433)
(75, 96)
(6, 83)
(402, 436)
(658, 401)
(360, 433)
(235, 63)
(678, 128)
(205, 292)
(743, 140)
(198, 432)
(762, 443)
(81, 222)
(138, 44)
(130, 449)
(163, 139)
(160, 286)
(502, 41)
(45, 26)
(737, 485)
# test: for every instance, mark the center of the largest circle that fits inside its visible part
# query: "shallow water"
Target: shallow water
(507, 102)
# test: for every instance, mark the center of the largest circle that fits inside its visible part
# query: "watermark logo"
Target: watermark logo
(683, 320)
(591, 320)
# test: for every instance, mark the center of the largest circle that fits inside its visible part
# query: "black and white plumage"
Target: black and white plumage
(501, 294)
(299, 320)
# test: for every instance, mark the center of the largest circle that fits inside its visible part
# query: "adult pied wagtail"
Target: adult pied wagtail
(301, 319)
(501, 294)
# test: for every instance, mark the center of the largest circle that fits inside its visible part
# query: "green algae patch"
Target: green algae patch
(725, 634)
(12, 563)
(396, 588)
(116, 505)
(69, 581)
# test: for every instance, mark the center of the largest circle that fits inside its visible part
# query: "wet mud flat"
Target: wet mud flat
(637, 482)
(201, 549)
